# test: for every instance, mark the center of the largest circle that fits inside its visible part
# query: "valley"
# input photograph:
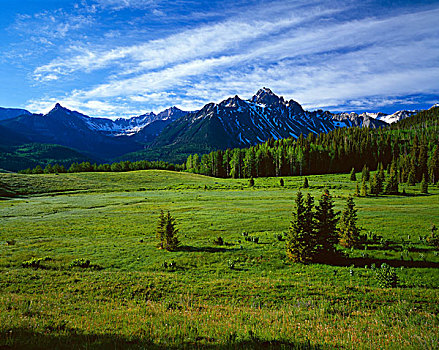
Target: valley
(240, 294)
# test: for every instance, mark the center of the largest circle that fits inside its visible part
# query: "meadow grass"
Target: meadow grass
(128, 299)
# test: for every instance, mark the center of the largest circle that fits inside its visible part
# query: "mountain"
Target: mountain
(241, 123)
(71, 129)
(9, 113)
(99, 137)
(134, 125)
(173, 134)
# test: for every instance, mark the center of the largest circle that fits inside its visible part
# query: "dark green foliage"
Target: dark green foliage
(326, 235)
(313, 234)
(170, 240)
(357, 190)
(392, 182)
(305, 183)
(82, 263)
(352, 176)
(33, 262)
(363, 192)
(218, 241)
(299, 238)
(122, 166)
(433, 239)
(349, 232)
(251, 182)
(335, 152)
(386, 276)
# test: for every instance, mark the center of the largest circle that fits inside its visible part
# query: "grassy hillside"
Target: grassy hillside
(128, 299)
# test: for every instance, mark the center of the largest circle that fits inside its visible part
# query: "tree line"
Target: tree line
(412, 148)
(113, 167)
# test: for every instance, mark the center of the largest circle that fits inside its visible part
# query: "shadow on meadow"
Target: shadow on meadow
(361, 262)
(20, 338)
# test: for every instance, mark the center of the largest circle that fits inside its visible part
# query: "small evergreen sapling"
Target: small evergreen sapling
(305, 183)
(167, 232)
(352, 175)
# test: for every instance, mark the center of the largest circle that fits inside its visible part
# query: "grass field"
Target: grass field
(128, 299)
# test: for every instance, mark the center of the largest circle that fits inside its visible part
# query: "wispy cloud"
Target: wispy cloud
(312, 54)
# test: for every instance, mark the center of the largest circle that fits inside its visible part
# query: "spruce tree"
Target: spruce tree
(349, 232)
(251, 182)
(326, 236)
(424, 185)
(411, 179)
(305, 183)
(376, 186)
(392, 183)
(357, 190)
(171, 241)
(352, 175)
(298, 239)
(363, 192)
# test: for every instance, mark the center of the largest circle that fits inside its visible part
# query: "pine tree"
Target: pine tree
(171, 241)
(424, 185)
(349, 232)
(298, 239)
(363, 191)
(411, 179)
(251, 182)
(376, 185)
(305, 183)
(326, 228)
(352, 176)
(392, 183)
(357, 190)
(380, 176)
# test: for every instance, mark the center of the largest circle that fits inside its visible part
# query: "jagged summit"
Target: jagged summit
(266, 97)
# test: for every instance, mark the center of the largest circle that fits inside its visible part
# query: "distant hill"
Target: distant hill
(30, 155)
(9, 113)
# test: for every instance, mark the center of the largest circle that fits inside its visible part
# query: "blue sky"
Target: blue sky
(119, 58)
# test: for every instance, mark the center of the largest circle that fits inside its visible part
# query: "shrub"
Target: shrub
(218, 241)
(82, 263)
(433, 239)
(33, 262)
(386, 276)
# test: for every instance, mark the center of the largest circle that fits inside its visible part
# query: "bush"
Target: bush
(82, 263)
(218, 241)
(34, 263)
(386, 276)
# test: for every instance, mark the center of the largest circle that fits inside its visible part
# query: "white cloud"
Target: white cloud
(319, 63)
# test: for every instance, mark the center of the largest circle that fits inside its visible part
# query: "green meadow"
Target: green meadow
(241, 294)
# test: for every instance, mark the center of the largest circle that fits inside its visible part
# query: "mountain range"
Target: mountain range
(173, 134)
